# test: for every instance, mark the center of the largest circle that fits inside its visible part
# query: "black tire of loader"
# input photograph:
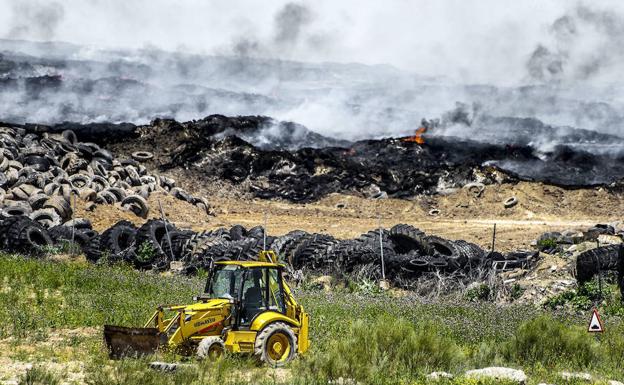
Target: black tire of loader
(62, 233)
(472, 253)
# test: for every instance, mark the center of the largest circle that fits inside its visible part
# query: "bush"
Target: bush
(548, 342)
(145, 252)
(39, 376)
(547, 244)
(386, 348)
(482, 292)
(587, 295)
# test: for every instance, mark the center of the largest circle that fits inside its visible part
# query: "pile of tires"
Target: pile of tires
(407, 251)
(40, 175)
(21, 234)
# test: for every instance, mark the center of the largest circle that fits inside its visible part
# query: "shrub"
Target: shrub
(386, 348)
(39, 376)
(549, 342)
(481, 292)
(547, 244)
(587, 295)
(145, 252)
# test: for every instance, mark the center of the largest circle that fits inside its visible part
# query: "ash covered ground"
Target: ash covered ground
(273, 159)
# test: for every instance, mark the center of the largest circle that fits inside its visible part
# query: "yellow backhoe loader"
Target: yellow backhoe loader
(247, 307)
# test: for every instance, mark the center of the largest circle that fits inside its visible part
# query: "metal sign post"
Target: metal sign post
(494, 238)
(264, 231)
(164, 218)
(73, 245)
(383, 265)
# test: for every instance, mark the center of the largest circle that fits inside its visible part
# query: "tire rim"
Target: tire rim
(278, 347)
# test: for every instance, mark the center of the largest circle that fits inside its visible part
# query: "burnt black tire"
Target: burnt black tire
(92, 250)
(590, 262)
(177, 243)
(27, 236)
(447, 250)
(312, 252)
(275, 334)
(256, 232)
(407, 238)
(118, 240)
(152, 233)
(371, 239)
(284, 246)
(470, 252)
(237, 232)
(63, 233)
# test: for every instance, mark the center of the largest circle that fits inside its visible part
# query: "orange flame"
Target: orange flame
(418, 137)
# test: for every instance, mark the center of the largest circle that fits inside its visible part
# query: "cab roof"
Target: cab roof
(250, 264)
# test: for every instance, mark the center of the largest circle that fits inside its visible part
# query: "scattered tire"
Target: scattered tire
(476, 189)
(142, 156)
(510, 202)
(119, 240)
(137, 204)
(407, 238)
(607, 258)
(46, 217)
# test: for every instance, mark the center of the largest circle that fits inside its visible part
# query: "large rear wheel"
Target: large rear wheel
(276, 345)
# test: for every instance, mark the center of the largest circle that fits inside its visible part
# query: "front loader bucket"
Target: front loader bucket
(132, 342)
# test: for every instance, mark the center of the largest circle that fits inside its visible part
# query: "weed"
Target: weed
(481, 292)
(39, 376)
(145, 252)
(548, 342)
(386, 347)
(516, 292)
(547, 244)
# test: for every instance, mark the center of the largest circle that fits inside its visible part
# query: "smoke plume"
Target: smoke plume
(342, 69)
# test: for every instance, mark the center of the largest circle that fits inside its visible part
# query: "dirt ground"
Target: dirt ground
(461, 215)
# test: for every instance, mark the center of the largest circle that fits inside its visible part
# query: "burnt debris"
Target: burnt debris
(285, 160)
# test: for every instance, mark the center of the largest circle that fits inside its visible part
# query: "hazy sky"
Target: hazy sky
(474, 40)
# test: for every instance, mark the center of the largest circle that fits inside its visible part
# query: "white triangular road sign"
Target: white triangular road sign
(595, 324)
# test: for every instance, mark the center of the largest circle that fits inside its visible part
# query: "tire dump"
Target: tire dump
(44, 169)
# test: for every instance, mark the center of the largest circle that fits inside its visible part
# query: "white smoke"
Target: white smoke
(557, 61)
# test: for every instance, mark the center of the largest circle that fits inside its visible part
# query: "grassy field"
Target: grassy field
(52, 313)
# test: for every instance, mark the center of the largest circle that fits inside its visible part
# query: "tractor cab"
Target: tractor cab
(253, 287)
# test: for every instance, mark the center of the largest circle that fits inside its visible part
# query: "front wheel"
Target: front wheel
(276, 345)
(211, 348)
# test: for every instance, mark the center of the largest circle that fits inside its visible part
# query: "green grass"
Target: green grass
(365, 335)
(38, 295)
